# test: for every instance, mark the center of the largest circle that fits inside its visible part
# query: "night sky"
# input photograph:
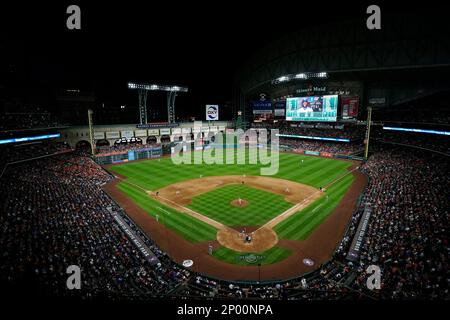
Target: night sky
(189, 43)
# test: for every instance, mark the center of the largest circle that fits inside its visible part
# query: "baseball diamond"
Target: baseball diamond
(282, 213)
(196, 154)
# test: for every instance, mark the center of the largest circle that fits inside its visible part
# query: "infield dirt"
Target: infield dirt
(319, 246)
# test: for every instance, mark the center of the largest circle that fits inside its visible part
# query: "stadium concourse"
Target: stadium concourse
(54, 213)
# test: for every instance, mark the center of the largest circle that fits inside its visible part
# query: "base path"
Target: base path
(180, 194)
(183, 192)
(319, 246)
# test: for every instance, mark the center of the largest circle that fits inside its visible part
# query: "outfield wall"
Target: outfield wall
(131, 155)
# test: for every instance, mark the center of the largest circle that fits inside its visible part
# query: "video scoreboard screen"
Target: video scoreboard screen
(314, 108)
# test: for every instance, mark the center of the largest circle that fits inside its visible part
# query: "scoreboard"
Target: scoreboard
(313, 108)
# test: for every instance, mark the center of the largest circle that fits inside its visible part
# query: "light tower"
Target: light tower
(143, 88)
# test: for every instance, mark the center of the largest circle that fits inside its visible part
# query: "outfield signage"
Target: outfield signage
(326, 154)
(261, 105)
(140, 133)
(212, 112)
(113, 135)
(312, 153)
(355, 248)
(137, 241)
(153, 132)
(127, 134)
(99, 135)
(279, 112)
(157, 125)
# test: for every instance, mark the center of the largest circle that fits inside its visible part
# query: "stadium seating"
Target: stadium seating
(54, 215)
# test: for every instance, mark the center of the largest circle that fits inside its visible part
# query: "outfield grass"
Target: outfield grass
(270, 256)
(155, 174)
(262, 205)
(190, 228)
(314, 171)
(300, 225)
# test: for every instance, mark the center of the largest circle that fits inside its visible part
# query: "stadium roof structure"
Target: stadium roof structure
(348, 47)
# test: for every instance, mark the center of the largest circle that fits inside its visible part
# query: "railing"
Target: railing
(31, 159)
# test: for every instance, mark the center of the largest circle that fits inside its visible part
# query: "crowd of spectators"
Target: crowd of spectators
(343, 148)
(434, 142)
(54, 214)
(428, 109)
(17, 152)
(348, 132)
(407, 238)
(408, 232)
(343, 131)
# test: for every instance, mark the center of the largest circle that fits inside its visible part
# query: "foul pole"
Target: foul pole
(91, 131)
(369, 122)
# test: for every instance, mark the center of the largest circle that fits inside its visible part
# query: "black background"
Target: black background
(200, 45)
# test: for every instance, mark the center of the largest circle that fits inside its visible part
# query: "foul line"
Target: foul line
(283, 216)
(188, 211)
(292, 210)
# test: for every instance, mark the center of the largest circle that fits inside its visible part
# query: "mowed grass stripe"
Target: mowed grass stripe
(294, 230)
(179, 222)
(317, 216)
(300, 225)
(154, 174)
(262, 205)
(190, 228)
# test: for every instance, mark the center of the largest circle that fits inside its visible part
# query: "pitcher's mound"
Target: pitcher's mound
(241, 203)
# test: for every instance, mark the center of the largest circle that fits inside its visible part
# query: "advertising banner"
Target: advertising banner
(279, 112)
(153, 132)
(113, 135)
(164, 131)
(261, 105)
(176, 131)
(350, 106)
(312, 153)
(326, 154)
(157, 125)
(127, 134)
(140, 133)
(212, 112)
(353, 253)
(186, 130)
(99, 135)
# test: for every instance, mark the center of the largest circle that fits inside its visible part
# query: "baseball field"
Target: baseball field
(245, 218)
